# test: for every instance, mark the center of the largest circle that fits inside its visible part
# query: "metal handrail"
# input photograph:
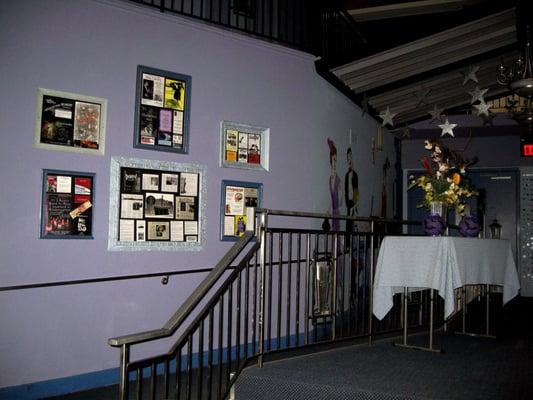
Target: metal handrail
(285, 213)
(192, 301)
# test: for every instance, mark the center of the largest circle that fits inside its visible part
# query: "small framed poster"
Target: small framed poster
(67, 205)
(244, 146)
(156, 205)
(238, 201)
(70, 122)
(162, 110)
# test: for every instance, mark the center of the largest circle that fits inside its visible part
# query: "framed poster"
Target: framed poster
(67, 205)
(244, 146)
(162, 110)
(156, 205)
(237, 202)
(70, 122)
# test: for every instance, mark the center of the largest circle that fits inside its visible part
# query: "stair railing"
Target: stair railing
(179, 362)
(271, 301)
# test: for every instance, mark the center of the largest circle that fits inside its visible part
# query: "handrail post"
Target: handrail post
(262, 260)
(124, 361)
(335, 282)
(371, 283)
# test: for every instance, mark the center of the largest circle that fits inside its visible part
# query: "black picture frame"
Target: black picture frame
(162, 110)
(236, 220)
(67, 204)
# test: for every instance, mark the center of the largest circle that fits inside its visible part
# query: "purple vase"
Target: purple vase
(469, 226)
(434, 225)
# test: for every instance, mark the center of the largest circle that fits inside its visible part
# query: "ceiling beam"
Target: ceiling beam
(409, 9)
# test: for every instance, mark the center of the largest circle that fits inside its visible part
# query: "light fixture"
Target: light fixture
(518, 77)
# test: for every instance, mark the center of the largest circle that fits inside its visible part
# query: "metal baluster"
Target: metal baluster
(371, 283)
(220, 344)
(238, 322)
(269, 326)
(124, 374)
(334, 314)
(280, 275)
(306, 296)
(153, 377)
(139, 394)
(200, 359)
(178, 373)
(166, 380)
(288, 311)
(298, 273)
(263, 226)
(210, 352)
(189, 367)
(246, 307)
(229, 331)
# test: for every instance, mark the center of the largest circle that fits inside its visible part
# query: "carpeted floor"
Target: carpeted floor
(471, 368)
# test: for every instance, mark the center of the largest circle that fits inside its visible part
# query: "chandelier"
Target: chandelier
(518, 77)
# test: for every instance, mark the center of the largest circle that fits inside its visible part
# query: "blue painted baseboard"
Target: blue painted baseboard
(108, 377)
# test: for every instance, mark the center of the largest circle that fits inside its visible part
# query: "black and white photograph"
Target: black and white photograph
(150, 182)
(159, 205)
(188, 184)
(169, 183)
(158, 230)
(153, 87)
(131, 206)
(131, 181)
(185, 208)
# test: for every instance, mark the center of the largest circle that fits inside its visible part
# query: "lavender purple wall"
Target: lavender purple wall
(93, 47)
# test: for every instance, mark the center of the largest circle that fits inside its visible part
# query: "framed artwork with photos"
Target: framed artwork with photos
(237, 203)
(156, 205)
(162, 110)
(70, 122)
(244, 146)
(67, 205)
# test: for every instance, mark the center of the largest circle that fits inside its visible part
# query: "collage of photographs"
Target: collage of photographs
(242, 147)
(67, 205)
(239, 199)
(158, 205)
(161, 112)
(69, 122)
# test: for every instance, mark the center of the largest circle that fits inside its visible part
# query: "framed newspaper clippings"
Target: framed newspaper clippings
(238, 201)
(67, 205)
(244, 146)
(70, 122)
(162, 110)
(156, 205)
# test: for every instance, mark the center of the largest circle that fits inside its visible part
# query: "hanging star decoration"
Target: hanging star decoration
(470, 75)
(477, 95)
(387, 117)
(364, 105)
(447, 128)
(482, 108)
(421, 97)
(436, 114)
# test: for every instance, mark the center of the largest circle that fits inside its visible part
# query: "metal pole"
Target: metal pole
(262, 260)
(487, 319)
(124, 361)
(405, 316)
(371, 283)
(334, 314)
(431, 299)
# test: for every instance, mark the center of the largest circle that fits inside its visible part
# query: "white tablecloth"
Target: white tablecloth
(442, 263)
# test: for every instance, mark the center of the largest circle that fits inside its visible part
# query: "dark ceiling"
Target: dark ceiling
(413, 55)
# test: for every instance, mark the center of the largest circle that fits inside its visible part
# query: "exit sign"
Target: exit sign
(527, 149)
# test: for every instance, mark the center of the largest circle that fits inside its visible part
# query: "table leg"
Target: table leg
(487, 315)
(404, 343)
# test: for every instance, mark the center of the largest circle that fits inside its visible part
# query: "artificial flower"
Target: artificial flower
(445, 177)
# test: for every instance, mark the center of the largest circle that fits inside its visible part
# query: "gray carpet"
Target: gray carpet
(470, 368)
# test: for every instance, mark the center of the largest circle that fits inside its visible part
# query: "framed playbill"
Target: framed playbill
(156, 205)
(238, 200)
(67, 205)
(70, 122)
(162, 110)
(244, 146)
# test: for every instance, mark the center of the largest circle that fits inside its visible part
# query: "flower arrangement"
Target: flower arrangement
(445, 177)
